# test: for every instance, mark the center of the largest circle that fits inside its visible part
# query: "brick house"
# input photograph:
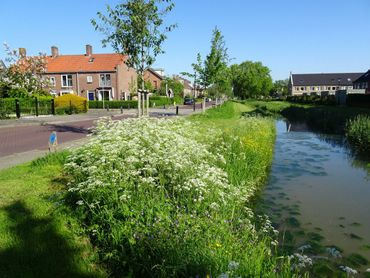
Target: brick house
(363, 82)
(321, 83)
(154, 77)
(89, 75)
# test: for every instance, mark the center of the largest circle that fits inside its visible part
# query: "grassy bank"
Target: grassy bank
(156, 198)
(37, 238)
(173, 198)
(353, 122)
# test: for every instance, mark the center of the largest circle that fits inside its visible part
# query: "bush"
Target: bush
(113, 104)
(358, 133)
(358, 100)
(70, 104)
(313, 99)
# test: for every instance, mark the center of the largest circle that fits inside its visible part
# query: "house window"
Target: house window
(105, 80)
(52, 81)
(67, 80)
(155, 84)
(302, 88)
(313, 88)
(89, 79)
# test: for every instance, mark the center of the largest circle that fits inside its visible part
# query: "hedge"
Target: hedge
(70, 104)
(98, 104)
(117, 104)
(359, 100)
(313, 99)
(27, 106)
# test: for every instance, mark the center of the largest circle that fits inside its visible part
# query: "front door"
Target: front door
(105, 94)
(91, 95)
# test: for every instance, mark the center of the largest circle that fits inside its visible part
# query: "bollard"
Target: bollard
(108, 107)
(17, 108)
(36, 107)
(177, 110)
(164, 106)
(52, 107)
(194, 104)
(121, 109)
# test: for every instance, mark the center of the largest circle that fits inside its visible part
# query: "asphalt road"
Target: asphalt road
(19, 139)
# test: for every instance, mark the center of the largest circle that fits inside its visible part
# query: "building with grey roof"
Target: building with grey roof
(321, 83)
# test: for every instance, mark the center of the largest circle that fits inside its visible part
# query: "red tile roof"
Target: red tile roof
(84, 63)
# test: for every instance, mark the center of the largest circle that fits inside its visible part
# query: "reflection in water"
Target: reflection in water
(318, 194)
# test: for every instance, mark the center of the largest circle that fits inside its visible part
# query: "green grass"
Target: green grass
(37, 239)
(40, 236)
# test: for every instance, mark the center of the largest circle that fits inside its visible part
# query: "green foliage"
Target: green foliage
(135, 28)
(172, 198)
(38, 236)
(358, 100)
(358, 133)
(251, 80)
(113, 104)
(172, 84)
(280, 88)
(313, 99)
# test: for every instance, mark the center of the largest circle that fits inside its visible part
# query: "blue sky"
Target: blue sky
(302, 36)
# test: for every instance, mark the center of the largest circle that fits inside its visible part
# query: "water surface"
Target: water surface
(318, 193)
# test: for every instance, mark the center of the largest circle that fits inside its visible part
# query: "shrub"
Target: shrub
(358, 133)
(71, 103)
(359, 100)
(113, 104)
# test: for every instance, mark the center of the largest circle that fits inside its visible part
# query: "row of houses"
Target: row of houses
(97, 76)
(329, 83)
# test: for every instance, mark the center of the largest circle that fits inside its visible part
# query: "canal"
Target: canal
(318, 197)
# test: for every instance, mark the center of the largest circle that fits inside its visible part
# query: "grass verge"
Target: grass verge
(37, 237)
(173, 198)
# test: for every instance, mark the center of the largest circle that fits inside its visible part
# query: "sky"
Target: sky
(299, 36)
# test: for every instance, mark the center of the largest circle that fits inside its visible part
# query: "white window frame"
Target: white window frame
(89, 79)
(104, 75)
(66, 80)
(52, 81)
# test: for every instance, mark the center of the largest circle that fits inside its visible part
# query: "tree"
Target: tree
(174, 85)
(215, 64)
(251, 79)
(213, 74)
(24, 75)
(135, 28)
(280, 88)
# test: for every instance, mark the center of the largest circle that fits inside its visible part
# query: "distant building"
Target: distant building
(321, 83)
(93, 76)
(363, 82)
(188, 87)
(154, 77)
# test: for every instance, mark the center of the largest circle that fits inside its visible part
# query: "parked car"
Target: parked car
(188, 101)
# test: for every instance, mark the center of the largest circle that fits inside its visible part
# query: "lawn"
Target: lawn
(37, 237)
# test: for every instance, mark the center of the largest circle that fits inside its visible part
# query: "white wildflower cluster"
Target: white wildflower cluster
(140, 154)
(348, 270)
(334, 252)
(300, 261)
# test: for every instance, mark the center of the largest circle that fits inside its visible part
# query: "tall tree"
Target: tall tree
(215, 64)
(251, 79)
(136, 28)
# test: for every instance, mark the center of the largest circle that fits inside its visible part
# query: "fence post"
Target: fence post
(52, 107)
(37, 107)
(17, 109)
(177, 110)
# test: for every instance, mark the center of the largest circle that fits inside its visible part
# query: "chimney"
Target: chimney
(88, 50)
(22, 52)
(54, 51)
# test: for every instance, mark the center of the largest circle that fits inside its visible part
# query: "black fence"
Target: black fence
(16, 108)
